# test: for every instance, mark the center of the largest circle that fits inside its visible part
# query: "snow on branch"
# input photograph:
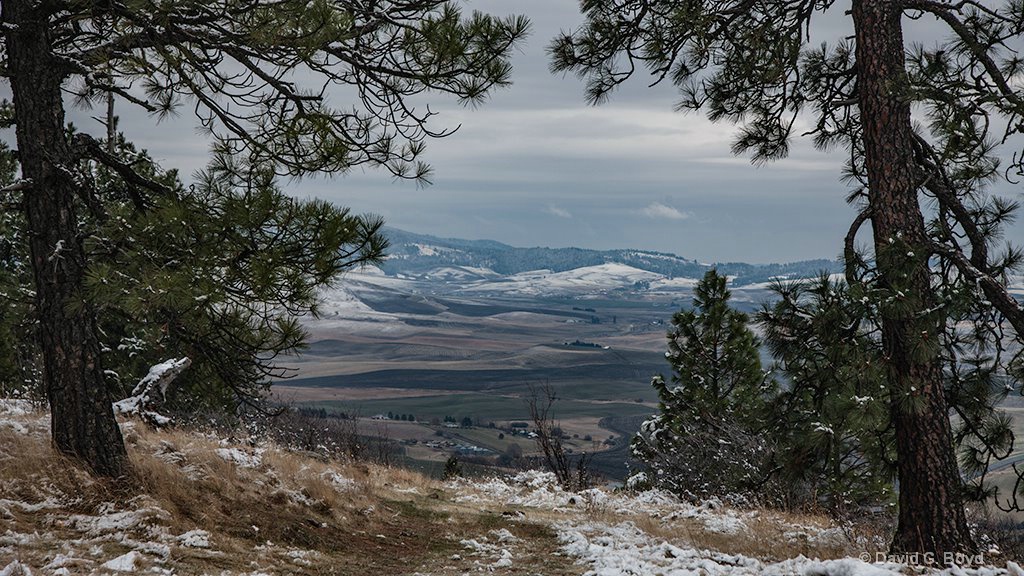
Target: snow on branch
(141, 402)
(19, 185)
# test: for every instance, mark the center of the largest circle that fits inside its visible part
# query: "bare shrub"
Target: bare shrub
(318, 434)
(572, 472)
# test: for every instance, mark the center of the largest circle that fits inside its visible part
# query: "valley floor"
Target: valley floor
(200, 504)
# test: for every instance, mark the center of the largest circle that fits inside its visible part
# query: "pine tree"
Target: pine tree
(830, 422)
(706, 439)
(750, 63)
(219, 272)
(234, 63)
(452, 468)
(17, 366)
(833, 421)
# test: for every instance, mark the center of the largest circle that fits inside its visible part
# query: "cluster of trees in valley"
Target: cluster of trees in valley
(111, 263)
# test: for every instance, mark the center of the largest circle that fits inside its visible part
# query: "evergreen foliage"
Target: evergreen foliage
(18, 371)
(219, 272)
(707, 438)
(934, 274)
(835, 422)
(831, 425)
(452, 468)
(237, 64)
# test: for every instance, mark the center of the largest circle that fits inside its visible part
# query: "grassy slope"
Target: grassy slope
(295, 514)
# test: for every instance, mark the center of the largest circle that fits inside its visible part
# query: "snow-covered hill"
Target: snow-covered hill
(417, 255)
(598, 279)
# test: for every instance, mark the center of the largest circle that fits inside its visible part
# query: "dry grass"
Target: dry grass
(282, 512)
(287, 514)
(278, 515)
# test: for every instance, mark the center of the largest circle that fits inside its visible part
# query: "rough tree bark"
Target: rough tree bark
(931, 511)
(82, 417)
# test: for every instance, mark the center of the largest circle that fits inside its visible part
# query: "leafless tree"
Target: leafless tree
(572, 473)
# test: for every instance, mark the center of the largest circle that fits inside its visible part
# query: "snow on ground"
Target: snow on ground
(240, 457)
(195, 539)
(598, 532)
(14, 407)
(536, 489)
(625, 550)
(341, 302)
(21, 417)
(82, 543)
(490, 552)
(673, 284)
(123, 563)
(342, 310)
(461, 274)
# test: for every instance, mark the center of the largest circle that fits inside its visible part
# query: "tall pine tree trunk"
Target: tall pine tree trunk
(83, 423)
(931, 512)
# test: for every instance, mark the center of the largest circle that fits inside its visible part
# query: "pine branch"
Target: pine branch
(88, 147)
(942, 11)
(976, 267)
(994, 290)
(17, 186)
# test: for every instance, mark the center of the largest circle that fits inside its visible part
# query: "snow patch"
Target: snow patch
(503, 535)
(116, 521)
(15, 568)
(15, 407)
(123, 563)
(240, 457)
(195, 539)
(495, 556)
(303, 557)
(625, 550)
(50, 503)
(592, 279)
(339, 482)
(532, 488)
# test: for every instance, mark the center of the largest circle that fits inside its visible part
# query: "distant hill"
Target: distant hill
(420, 253)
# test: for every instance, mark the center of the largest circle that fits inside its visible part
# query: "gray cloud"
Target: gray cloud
(538, 144)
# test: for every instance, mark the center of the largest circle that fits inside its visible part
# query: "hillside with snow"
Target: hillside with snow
(349, 298)
(598, 279)
(202, 503)
(419, 255)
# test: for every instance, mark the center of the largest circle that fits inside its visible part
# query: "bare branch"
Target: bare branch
(850, 255)
(88, 147)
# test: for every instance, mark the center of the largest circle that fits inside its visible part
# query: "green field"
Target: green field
(483, 407)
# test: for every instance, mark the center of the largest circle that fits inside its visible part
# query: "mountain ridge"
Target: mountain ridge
(413, 253)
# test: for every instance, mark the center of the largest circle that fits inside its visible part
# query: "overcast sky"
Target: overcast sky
(536, 166)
